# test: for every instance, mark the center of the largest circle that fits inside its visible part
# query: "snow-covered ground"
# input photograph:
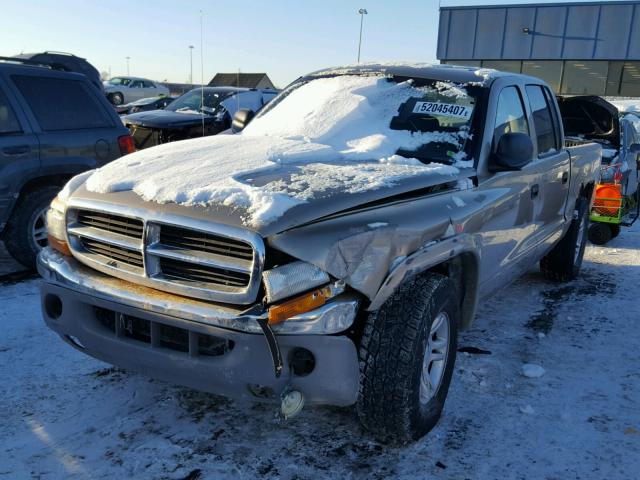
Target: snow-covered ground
(65, 415)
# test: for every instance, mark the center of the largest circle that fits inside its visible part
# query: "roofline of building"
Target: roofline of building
(538, 5)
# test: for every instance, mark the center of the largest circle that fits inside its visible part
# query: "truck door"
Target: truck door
(509, 223)
(19, 151)
(553, 163)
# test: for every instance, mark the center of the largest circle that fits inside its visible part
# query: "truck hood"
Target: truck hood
(265, 184)
(164, 119)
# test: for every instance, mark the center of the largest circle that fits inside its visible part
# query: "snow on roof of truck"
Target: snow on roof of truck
(453, 73)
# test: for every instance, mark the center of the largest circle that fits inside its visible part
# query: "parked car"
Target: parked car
(53, 125)
(197, 113)
(66, 62)
(329, 252)
(121, 90)
(144, 105)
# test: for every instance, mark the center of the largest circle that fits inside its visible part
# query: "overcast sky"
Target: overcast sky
(285, 38)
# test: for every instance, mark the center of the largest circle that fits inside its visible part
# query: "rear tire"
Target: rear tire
(563, 263)
(600, 233)
(615, 230)
(24, 233)
(116, 98)
(401, 395)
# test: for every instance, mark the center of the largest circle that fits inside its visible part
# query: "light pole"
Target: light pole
(191, 62)
(362, 12)
(127, 65)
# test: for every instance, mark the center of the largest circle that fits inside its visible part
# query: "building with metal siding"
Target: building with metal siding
(578, 48)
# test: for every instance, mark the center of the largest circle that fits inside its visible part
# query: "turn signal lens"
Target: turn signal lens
(59, 245)
(302, 304)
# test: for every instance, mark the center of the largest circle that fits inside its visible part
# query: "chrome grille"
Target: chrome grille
(130, 227)
(113, 252)
(204, 242)
(190, 272)
(168, 252)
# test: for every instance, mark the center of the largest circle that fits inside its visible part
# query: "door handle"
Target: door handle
(17, 150)
(535, 189)
(565, 177)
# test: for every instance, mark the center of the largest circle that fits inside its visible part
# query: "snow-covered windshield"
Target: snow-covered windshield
(365, 117)
(197, 102)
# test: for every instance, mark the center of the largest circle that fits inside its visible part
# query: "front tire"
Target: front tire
(26, 232)
(563, 263)
(407, 355)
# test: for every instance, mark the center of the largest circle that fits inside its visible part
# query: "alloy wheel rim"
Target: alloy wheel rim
(579, 241)
(39, 229)
(435, 358)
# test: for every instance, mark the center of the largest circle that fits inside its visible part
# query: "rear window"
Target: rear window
(8, 121)
(62, 104)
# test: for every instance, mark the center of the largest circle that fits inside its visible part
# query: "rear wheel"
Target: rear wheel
(563, 262)
(600, 233)
(407, 355)
(26, 232)
(116, 98)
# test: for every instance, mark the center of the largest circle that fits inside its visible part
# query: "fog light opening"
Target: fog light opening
(53, 306)
(302, 362)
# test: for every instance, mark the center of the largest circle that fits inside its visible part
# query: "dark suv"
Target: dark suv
(53, 125)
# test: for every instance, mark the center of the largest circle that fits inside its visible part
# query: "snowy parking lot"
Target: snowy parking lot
(65, 415)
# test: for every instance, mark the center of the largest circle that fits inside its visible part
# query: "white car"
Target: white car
(121, 90)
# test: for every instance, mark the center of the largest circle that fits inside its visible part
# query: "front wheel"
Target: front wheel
(26, 232)
(563, 263)
(407, 355)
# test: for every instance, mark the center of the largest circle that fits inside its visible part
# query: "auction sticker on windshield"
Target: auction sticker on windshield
(444, 109)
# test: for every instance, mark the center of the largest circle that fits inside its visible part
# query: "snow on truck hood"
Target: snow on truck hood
(330, 135)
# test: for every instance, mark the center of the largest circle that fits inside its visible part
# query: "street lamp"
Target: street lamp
(362, 12)
(191, 62)
(127, 65)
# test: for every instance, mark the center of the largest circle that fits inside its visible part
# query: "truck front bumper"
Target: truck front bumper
(194, 343)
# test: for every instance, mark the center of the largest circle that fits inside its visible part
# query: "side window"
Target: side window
(8, 122)
(148, 84)
(61, 104)
(542, 120)
(135, 84)
(510, 117)
(557, 124)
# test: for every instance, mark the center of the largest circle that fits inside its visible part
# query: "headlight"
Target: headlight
(288, 280)
(56, 223)
(56, 227)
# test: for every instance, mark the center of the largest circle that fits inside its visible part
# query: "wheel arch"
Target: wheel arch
(455, 258)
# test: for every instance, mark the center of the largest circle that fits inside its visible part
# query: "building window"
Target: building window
(548, 70)
(630, 83)
(513, 66)
(584, 78)
(463, 63)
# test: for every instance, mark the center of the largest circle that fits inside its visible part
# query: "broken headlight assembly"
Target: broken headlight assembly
(286, 282)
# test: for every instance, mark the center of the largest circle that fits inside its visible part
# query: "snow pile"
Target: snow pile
(625, 105)
(531, 370)
(334, 130)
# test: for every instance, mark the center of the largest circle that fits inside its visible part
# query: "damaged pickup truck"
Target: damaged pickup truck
(331, 251)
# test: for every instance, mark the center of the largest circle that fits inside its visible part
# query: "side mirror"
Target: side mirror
(514, 151)
(241, 119)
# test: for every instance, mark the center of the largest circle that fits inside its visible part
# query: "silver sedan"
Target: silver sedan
(120, 90)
